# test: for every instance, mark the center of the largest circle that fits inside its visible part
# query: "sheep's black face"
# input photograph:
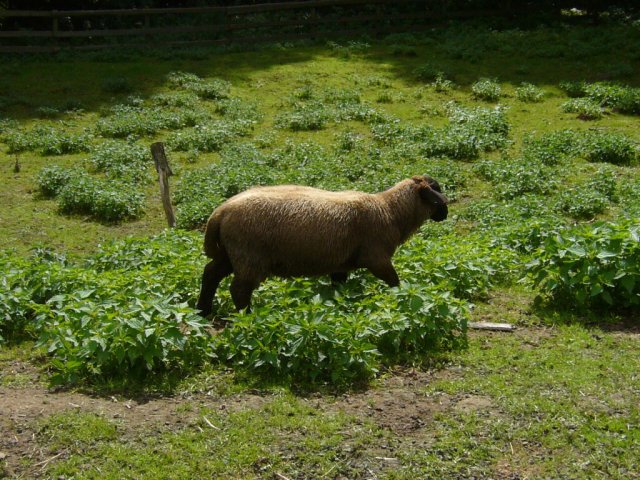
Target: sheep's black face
(432, 195)
(440, 214)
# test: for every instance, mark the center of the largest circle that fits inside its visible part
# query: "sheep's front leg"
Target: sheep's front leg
(213, 274)
(384, 270)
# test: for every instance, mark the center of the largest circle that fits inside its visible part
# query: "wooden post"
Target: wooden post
(55, 26)
(164, 172)
(226, 31)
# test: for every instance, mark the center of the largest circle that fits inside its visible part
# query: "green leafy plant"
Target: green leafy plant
(384, 97)
(117, 85)
(529, 93)
(514, 177)
(610, 147)
(348, 141)
(551, 148)
(586, 108)
(121, 160)
(442, 84)
(590, 266)
(111, 316)
(52, 179)
(126, 120)
(209, 137)
(98, 332)
(305, 117)
(47, 112)
(107, 201)
(469, 132)
(7, 124)
(237, 109)
(306, 92)
(582, 202)
(351, 48)
(428, 73)
(178, 99)
(47, 140)
(214, 89)
(15, 298)
(486, 89)
(574, 89)
(617, 97)
(467, 269)
(342, 336)
(489, 126)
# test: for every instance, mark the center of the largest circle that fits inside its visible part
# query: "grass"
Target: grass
(557, 399)
(285, 436)
(561, 405)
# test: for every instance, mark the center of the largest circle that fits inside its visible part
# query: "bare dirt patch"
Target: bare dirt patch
(474, 403)
(21, 409)
(398, 410)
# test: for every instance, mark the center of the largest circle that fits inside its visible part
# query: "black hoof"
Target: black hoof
(339, 277)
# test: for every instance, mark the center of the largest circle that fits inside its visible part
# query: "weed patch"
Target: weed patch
(590, 266)
(609, 147)
(515, 177)
(47, 140)
(486, 89)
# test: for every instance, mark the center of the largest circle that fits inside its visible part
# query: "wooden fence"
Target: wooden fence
(85, 29)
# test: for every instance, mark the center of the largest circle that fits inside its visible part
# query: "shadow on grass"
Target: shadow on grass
(603, 318)
(211, 380)
(85, 81)
(512, 52)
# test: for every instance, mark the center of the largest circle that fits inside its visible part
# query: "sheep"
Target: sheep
(291, 231)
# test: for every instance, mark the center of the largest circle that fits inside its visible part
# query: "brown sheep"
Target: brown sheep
(293, 231)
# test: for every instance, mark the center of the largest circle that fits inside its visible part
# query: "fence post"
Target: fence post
(147, 27)
(55, 25)
(164, 172)
(226, 31)
(508, 7)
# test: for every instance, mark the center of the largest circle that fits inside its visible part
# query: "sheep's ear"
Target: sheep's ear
(433, 183)
(429, 195)
(429, 190)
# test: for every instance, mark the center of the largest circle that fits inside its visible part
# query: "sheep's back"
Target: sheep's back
(289, 230)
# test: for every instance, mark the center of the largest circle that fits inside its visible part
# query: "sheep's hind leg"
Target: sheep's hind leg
(339, 277)
(213, 274)
(241, 290)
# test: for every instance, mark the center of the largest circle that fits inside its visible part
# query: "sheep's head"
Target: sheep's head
(431, 194)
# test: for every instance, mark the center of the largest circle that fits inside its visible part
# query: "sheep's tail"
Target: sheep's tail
(212, 246)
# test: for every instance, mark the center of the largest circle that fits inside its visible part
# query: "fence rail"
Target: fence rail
(222, 24)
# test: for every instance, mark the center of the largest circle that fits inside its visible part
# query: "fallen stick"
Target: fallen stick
(206, 420)
(46, 462)
(499, 327)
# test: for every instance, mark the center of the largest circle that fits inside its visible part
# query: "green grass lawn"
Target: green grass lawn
(361, 381)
